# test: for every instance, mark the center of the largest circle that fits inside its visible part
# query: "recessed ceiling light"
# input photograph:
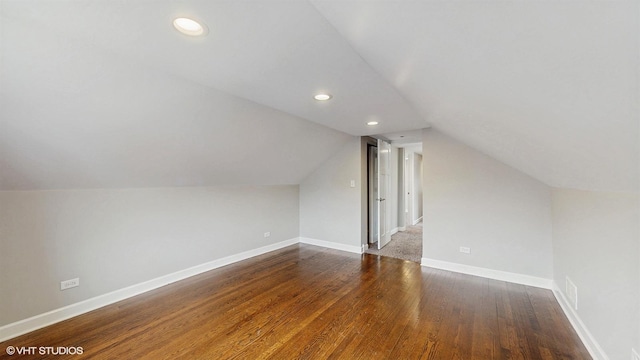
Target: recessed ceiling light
(323, 97)
(372, 123)
(189, 27)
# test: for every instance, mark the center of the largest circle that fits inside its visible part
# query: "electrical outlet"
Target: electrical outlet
(634, 355)
(572, 292)
(267, 234)
(68, 284)
(464, 249)
(352, 183)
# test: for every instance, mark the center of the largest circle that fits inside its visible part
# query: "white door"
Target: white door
(372, 168)
(384, 182)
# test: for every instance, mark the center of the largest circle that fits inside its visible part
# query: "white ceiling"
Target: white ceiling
(108, 94)
(548, 87)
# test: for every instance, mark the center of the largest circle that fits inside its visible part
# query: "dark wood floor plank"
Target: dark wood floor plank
(208, 301)
(420, 334)
(310, 300)
(389, 309)
(484, 324)
(306, 302)
(320, 338)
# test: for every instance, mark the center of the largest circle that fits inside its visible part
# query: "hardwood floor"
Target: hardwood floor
(306, 302)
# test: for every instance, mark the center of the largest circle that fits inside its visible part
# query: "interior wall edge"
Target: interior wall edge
(333, 245)
(576, 322)
(511, 277)
(585, 335)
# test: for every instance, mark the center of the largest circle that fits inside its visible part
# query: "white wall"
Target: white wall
(392, 196)
(596, 243)
(408, 175)
(417, 188)
(472, 200)
(401, 192)
(330, 210)
(412, 207)
(112, 239)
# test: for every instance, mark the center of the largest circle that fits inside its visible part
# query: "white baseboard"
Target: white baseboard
(489, 273)
(587, 339)
(395, 230)
(39, 321)
(402, 228)
(332, 245)
(417, 221)
(585, 335)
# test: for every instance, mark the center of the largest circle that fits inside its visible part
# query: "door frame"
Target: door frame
(372, 210)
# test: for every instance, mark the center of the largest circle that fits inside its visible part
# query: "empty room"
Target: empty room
(315, 179)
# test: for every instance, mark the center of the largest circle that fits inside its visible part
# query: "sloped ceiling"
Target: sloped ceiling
(108, 94)
(548, 87)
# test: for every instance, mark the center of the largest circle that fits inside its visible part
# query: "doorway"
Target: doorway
(378, 193)
(412, 186)
(401, 203)
(372, 194)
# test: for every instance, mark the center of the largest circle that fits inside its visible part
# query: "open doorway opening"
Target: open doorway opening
(403, 199)
(372, 194)
(413, 184)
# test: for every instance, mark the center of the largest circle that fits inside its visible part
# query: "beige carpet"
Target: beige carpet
(406, 245)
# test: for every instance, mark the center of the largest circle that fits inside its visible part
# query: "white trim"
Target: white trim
(417, 221)
(489, 273)
(402, 228)
(332, 245)
(21, 327)
(634, 354)
(393, 231)
(364, 248)
(588, 340)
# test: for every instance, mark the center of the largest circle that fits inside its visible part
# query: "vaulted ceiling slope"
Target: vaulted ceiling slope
(548, 87)
(107, 94)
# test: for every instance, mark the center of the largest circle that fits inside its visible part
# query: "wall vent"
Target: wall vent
(571, 290)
